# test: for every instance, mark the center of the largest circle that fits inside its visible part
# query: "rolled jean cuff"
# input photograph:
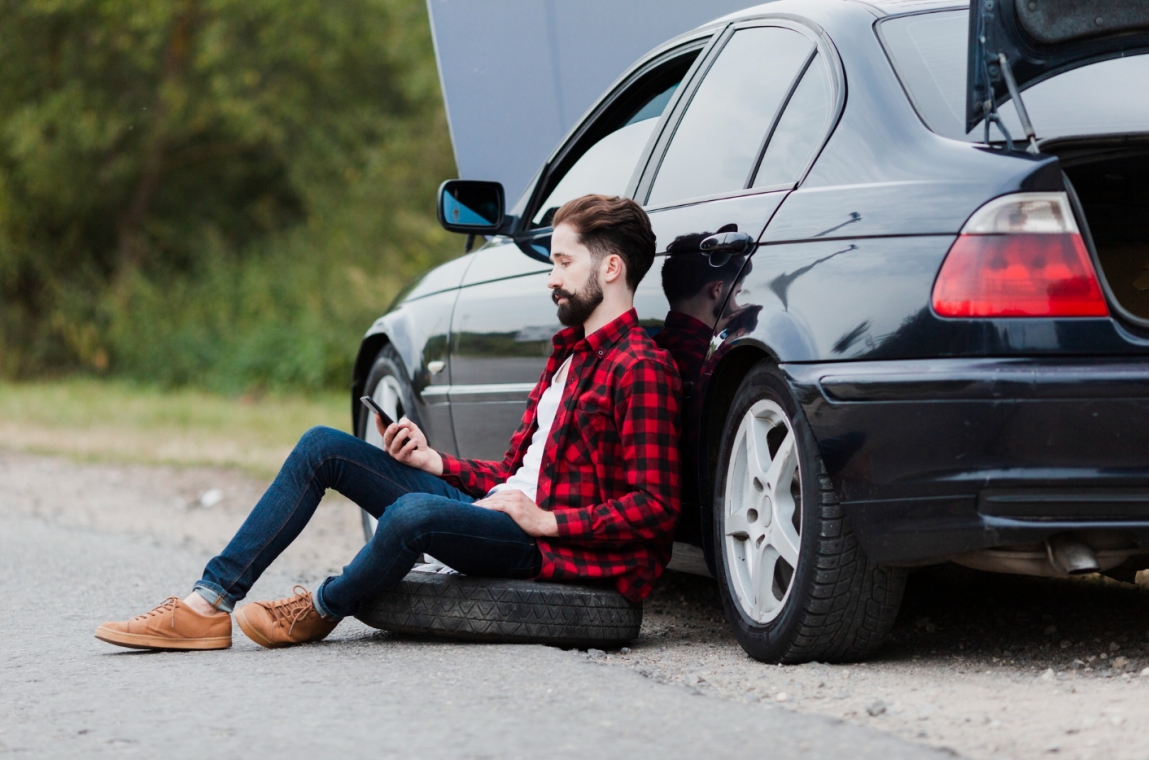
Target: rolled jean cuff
(215, 596)
(320, 607)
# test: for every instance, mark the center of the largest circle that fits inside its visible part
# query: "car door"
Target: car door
(504, 318)
(741, 139)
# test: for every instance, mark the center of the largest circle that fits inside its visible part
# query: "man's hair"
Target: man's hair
(688, 269)
(606, 225)
(685, 273)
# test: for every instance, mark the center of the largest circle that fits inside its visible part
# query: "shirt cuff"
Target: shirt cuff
(573, 523)
(452, 466)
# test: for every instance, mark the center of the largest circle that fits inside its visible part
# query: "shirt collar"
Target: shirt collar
(601, 339)
(683, 321)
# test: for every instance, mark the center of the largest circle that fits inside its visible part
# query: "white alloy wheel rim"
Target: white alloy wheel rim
(763, 511)
(388, 395)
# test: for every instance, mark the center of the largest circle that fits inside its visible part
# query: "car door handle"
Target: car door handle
(730, 243)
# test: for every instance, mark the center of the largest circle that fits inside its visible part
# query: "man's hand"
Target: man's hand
(533, 519)
(405, 442)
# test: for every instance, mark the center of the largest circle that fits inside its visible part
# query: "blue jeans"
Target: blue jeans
(417, 513)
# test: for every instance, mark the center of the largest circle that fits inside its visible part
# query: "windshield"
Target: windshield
(929, 52)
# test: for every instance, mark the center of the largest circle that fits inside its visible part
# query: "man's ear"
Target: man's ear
(714, 290)
(612, 268)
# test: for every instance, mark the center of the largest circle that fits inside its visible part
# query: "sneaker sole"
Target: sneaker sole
(240, 616)
(138, 641)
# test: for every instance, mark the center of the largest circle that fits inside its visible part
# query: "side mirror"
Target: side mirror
(470, 206)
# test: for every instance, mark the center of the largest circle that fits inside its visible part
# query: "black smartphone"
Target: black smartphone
(370, 404)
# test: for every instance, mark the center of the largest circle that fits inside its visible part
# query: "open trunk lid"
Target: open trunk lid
(1042, 38)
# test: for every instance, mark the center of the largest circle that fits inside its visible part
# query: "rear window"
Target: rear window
(929, 54)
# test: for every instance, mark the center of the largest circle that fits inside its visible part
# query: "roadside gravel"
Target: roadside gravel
(162, 505)
(985, 665)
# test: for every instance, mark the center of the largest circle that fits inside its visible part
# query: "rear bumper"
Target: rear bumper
(940, 457)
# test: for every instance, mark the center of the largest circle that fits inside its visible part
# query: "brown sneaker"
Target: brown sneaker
(284, 622)
(172, 625)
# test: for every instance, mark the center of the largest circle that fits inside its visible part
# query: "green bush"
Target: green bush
(222, 193)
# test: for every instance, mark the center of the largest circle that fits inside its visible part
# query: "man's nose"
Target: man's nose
(554, 281)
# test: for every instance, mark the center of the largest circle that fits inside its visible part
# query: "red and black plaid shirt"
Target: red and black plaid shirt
(687, 339)
(610, 465)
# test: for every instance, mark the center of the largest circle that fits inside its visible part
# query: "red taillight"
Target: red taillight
(1018, 276)
(1020, 256)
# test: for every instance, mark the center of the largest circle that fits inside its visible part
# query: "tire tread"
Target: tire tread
(854, 602)
(497, 610)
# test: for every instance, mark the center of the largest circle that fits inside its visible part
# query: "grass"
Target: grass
(97, 420)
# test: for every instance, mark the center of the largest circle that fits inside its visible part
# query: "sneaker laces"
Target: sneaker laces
(294, 608)
(169, 604)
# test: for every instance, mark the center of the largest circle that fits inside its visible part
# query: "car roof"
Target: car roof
(879, 7)
(899, 7)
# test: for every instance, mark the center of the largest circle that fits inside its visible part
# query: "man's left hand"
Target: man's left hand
(533, 519)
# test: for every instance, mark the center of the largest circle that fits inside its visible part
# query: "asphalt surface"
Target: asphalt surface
(360, 693)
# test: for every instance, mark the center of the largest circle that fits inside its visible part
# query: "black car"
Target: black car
(912, 321)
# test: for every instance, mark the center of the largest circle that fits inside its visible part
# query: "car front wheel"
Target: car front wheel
(387, 383)
(795, 584)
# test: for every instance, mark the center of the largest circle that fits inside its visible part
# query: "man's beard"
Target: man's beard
(581, 305)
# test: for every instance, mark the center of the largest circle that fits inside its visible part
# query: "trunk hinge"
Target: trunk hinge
(1018, 103)
(1000, 65)
(997, 66)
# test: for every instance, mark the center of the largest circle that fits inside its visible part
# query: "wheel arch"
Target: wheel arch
(369, 348)
(399, 328)
(720, 388)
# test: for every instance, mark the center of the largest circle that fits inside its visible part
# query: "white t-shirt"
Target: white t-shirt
(526, 478)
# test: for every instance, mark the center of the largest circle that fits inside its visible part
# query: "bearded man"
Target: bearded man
(587, 490)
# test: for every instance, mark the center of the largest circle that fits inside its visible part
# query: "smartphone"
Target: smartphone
(370, 404)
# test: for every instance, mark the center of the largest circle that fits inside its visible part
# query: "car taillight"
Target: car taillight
(1020, 255)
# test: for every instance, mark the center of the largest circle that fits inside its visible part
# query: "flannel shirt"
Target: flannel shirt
(687, 339)
(610, 464)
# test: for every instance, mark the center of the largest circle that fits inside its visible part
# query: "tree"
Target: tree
(141, 139)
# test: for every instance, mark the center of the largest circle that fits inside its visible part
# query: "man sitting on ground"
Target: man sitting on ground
(587, 490)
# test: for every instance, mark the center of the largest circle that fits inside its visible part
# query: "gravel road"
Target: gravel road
(979, 664)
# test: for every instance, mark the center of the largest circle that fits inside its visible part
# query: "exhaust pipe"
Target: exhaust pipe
(1071, 556)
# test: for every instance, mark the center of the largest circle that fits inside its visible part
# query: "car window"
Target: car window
(719, 138)
(929, 51)
(615, 143)
(801, 128)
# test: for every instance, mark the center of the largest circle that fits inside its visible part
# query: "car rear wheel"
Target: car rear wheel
(387, 383)
(795, 584)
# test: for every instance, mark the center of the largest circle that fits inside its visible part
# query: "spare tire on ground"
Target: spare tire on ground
(466, 608)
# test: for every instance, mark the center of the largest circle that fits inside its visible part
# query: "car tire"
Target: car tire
(498, 610)
(388, 384)
(795, 584)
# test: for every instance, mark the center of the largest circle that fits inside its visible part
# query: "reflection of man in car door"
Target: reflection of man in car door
(587, 489)
(697, 286)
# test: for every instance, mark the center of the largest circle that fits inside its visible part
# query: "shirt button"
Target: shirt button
(600, 352)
